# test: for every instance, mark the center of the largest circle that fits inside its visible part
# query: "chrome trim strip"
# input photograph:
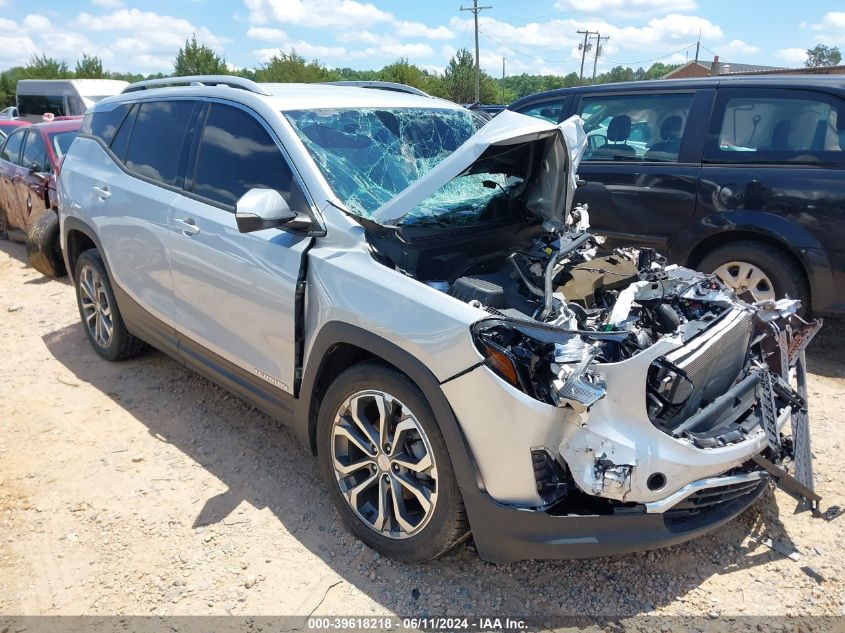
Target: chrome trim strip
(662, 505)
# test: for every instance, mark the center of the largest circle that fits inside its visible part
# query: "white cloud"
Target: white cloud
(317, 13)
(108, 4)
(35, 22)
(142, 40)
(266, 34)
(399, 50)
(303, 48)
(16, 50)
(792, 56)
(417, 29)
(626, 8)
(658, 35)
(342, 15)
(831, 29)
(738, 47)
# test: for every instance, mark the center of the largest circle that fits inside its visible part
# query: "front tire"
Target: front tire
(99, 312)
(386, 466)
(42, 245)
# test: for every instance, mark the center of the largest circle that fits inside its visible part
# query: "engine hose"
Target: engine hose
(573, 245)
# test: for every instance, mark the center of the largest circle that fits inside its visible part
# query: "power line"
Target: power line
(645, 61)
(475, 11)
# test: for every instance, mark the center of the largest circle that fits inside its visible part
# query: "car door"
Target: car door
(641, 165)
(10, 176)
(130, 203)
(31, 188)
(773, 165)
(235, 291)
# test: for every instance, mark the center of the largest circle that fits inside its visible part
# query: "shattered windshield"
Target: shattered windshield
(368, 155)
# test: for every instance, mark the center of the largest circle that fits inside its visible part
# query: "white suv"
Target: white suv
(415, 296)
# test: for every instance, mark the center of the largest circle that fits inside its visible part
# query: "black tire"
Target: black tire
(786, 276)
(42, 245)
(447, 525)
(121, 344)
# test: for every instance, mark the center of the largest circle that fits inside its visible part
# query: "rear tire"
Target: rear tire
(401, 500)
(99, 312)
(779, 271)
(42, 245)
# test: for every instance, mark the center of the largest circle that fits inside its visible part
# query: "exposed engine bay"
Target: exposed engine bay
(557, 311)
(632, 348)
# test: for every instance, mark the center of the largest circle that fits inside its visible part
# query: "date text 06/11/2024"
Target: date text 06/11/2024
(430, 623)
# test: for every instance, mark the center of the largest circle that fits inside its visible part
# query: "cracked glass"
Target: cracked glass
(368, 155)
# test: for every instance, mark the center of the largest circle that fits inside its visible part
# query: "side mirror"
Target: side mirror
(34, 168)
(260, 209)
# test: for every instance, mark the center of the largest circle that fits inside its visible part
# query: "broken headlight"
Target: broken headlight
(548, 364)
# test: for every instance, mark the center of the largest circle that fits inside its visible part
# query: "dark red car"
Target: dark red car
(30, 159)
(7, 126)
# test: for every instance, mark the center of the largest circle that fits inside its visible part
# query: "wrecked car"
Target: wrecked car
(418, 298)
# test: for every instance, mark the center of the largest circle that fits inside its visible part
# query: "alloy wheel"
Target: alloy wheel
(743, 276)
(96, 309)
(384, 464)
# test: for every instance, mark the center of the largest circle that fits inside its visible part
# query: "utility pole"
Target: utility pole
(599, 51)
(475, 10)
(584, 48)
(697, 46)
(503, 79)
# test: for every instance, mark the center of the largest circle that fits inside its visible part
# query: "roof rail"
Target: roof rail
(199, 80)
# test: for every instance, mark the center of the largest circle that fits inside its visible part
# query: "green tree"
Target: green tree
(821, 55)
(89, 67)
(293, 67)
(459, 80)
(43, 67)
(404, 72)
(198, 59)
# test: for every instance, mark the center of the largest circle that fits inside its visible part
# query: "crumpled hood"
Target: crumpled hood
(549, 189)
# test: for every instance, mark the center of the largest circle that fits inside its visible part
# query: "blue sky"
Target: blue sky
(535, 36)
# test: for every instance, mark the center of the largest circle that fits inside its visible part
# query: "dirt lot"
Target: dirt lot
(141, 488)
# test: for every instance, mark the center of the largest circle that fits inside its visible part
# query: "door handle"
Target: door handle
(102, 192)
(188, 226)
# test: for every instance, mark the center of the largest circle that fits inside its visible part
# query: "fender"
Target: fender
(697, 237)
(336, 332)
(70, 223)
(791, 235)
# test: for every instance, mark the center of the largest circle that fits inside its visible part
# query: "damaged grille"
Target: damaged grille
(722, 498)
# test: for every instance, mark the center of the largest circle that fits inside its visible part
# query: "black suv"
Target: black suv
(741, 176)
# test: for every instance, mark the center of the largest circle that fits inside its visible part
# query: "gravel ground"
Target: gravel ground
(141, 488)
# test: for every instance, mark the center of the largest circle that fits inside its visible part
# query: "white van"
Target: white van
(62, 97)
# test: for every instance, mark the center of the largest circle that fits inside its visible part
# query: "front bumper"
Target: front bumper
(510, 534)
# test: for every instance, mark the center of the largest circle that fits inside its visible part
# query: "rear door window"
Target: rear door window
(645, 127)
(776, 126)
(551, 111)
(35, 153)
(236, 153)
(158, 140)
(12, 149)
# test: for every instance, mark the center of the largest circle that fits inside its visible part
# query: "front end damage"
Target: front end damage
(620, 402)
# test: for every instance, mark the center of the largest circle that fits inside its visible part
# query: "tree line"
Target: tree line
(456, 82)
